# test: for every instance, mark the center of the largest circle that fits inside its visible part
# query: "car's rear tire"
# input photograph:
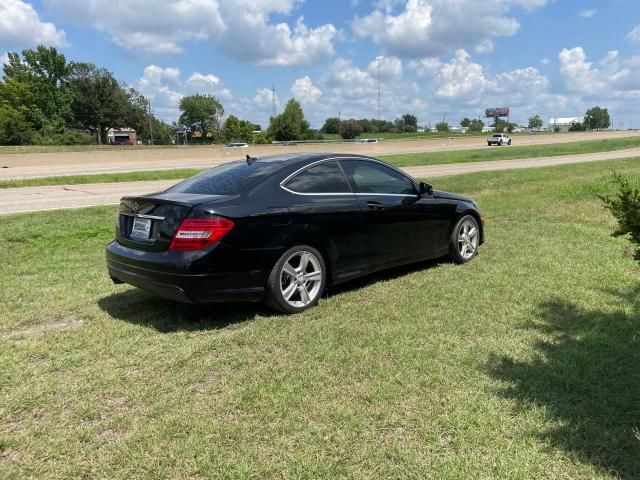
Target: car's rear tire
(509, 142)
(465, 240)
(297, 280)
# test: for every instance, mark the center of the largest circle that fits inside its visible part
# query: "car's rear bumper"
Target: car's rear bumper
(124, 267)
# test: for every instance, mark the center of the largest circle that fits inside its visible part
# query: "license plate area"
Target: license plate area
(141, 229)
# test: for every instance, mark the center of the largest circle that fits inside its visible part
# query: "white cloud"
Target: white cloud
(209, 83)
(4, 59)
(462, 86)
(353, 91)
(21, 26)
(486, 46)
(545, 61)
(429, 28)
(389, 68)
(587, 13)
(164, 87)
(612, 75)
(305, 91)
(634, 35)
(240, 28)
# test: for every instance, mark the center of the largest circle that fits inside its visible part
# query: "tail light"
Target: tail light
(199, 233)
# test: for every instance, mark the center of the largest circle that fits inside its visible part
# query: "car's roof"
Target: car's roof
(302, 159)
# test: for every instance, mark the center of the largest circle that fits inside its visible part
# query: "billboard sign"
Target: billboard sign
(496, 112)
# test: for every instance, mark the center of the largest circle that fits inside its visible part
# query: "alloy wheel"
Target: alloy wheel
(468, 236)
(301, 279)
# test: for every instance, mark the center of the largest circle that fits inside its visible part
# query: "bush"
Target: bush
(261, 138)
(350, 129)
(442, 127)
(67, 137)
(625, 207)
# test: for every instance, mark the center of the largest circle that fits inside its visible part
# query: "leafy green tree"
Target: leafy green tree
(442, 127)
(201, 113)
(410, 120)
(100, 103)
(476, 125)
(261, 138)
(331, 125)
(577, 127)
(14, 128)
(465, 122)
(366, 124)
(350, 129)
(597, 118)
(37, 84)
(502, 125)
(381, 126)
(290, 124)
(236, 130)
(535, 122)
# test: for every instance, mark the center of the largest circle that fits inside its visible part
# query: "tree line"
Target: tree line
(45, 99)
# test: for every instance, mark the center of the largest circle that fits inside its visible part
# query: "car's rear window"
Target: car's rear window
(229, 179)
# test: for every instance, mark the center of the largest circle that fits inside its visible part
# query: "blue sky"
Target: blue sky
(547, 57)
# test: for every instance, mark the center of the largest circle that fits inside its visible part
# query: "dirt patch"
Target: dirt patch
(36, 330)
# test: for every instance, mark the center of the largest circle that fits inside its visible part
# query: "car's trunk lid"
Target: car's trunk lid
(149, 222)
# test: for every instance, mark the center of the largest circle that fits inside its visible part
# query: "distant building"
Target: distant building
(459, 129)
(121, 136)
(564, 123)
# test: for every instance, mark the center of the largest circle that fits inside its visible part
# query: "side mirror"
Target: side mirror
(426, 189)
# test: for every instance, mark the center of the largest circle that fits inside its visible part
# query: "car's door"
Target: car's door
(324, 200)
(400, 224)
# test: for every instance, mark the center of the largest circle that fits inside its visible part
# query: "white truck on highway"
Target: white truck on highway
(499, 139)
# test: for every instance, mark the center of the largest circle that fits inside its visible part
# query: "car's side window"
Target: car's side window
(323, 178)
(372, 177)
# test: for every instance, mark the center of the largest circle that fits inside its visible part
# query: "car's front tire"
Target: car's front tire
(297, 280)
(465, 240)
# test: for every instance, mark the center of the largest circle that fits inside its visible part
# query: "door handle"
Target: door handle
(375, 206)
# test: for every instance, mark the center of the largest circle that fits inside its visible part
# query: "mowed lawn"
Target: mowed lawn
(523, 364)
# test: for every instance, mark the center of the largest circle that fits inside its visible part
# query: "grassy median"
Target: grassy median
(522, 364)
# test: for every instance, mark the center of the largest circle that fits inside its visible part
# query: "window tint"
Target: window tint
(372, 177)
(324, 178)
(229, 179)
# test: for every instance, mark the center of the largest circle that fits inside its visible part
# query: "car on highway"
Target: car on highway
(499, 139)
(237, 145)
(368, 140)
(283, 228)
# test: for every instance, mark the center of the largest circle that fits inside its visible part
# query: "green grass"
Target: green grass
(521, 364)
(5, 149)
(404, 160)
(513, 152)
(101, 178)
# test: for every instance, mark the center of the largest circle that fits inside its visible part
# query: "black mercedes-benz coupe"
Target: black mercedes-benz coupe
(282, 228)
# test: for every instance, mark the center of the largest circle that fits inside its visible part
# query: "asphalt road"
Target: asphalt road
(35, 199)
(126, 159)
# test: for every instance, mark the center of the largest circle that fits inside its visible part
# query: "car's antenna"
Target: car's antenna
(251, 160)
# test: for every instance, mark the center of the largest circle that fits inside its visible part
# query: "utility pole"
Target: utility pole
(379, 59)
(150, 123)
(273, 101)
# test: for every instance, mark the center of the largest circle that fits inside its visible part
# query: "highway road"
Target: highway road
(35, 199)
(120, 159)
